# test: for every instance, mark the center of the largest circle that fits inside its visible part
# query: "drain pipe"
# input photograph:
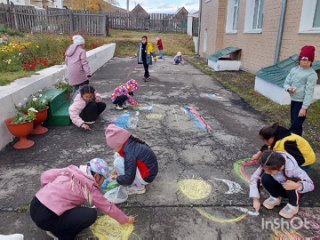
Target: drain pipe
(199, 26)
(280, 32)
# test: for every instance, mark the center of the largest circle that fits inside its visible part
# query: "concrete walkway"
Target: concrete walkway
(198, 131)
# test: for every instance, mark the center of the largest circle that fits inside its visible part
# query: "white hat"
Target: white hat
(179, 53)
(78, 40)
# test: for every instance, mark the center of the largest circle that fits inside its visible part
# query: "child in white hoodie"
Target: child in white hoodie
(280, 174)
(86, 107)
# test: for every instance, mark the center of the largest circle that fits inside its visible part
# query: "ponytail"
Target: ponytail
(138, 140)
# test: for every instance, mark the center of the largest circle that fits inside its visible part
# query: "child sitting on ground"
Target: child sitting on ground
(57, 206)
(280, 139)
(78, 70)
(86, 107)
(178, 59)
(137, 166)
(300, 84)
(124, 93)
(281, 176)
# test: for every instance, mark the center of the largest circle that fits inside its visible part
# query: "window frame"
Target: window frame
(231, 16)
(249, 16)
(307, 17)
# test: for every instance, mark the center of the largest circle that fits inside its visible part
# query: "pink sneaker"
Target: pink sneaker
(289, 211)
(271, 202)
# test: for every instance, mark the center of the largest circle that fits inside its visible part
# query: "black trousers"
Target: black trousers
(276, 190)
(66, 226)
(92, 111)
(120, 100)
(146, 69)
(296, 121)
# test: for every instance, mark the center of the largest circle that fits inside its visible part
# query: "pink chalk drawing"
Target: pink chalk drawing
(240, 168)
(196, 117)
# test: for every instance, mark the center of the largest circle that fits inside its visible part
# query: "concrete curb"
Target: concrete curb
(15, 92)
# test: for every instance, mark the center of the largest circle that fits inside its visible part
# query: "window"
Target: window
(310, 16)
(232, 16)
(254, 16)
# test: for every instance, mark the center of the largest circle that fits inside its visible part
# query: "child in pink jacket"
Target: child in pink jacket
(56, 207)
(78, 70)
(86, 107)
(124, 93)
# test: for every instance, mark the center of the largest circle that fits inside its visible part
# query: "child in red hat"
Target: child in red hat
(300, 85)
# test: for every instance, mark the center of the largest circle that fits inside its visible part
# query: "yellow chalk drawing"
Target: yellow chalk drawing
(220, 219)
(106, 228)
(286, 235)
(154, 116)
(195, 189)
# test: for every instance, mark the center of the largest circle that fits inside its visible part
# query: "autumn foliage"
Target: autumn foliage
(90, 5)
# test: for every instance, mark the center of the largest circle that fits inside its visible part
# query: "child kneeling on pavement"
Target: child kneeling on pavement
(86, 107)
(280, 174)
(124, 93)
(57, 206)
(137, 166)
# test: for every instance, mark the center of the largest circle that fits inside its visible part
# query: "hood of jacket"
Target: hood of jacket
(71, 50)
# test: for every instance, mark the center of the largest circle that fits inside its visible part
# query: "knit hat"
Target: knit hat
(132, 85)
(307, 52)
(78, 40)
(98, 165)
(116, 136)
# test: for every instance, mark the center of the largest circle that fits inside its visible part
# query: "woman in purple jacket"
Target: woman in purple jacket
(56, 207)
(78, 70)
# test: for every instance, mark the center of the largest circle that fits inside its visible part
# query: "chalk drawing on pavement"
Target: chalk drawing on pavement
(217, 219)
(233, 186)
(195, 189)
(196, 117)
(240, 168)
(286, 235)
(123, 120)
(211, 96)
(106, 228)
(154, 116)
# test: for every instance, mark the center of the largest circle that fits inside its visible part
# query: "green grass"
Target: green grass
(8, 77)
(127, 42)
(242, 83)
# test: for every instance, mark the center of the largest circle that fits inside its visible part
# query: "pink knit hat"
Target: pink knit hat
(116, 136)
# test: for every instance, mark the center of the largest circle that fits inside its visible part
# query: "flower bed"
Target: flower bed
(24, 55)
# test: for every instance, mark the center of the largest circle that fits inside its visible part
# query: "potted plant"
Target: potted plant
(40, 104)
(21, 126)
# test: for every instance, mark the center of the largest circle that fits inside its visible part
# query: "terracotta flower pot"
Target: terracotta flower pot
(21, 131)
(40, 118)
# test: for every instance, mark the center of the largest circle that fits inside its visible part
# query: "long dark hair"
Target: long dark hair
(269, 131)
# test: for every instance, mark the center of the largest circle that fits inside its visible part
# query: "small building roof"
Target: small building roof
(224, 52)
(139, 10)
(278, 72)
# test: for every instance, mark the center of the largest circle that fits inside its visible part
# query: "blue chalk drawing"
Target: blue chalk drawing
(123, 121)
(188, 110)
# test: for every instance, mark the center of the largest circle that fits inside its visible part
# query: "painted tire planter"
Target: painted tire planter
(40, 118)
(21, 131)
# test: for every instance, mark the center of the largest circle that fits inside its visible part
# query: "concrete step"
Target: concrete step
(58, 98)
(59, 117)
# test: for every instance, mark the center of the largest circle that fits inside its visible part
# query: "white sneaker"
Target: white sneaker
(271, 202)
(289, 211)
(119, 108)
(135, 190)
(90, 123)
(51, 235)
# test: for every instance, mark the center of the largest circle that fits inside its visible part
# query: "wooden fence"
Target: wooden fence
(154, 22)
(62, 21)
(65, 21)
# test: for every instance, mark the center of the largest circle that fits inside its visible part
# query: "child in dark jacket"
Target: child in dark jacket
(136, 164)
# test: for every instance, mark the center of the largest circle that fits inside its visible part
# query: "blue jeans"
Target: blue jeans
(161, 54)
(296, 121)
